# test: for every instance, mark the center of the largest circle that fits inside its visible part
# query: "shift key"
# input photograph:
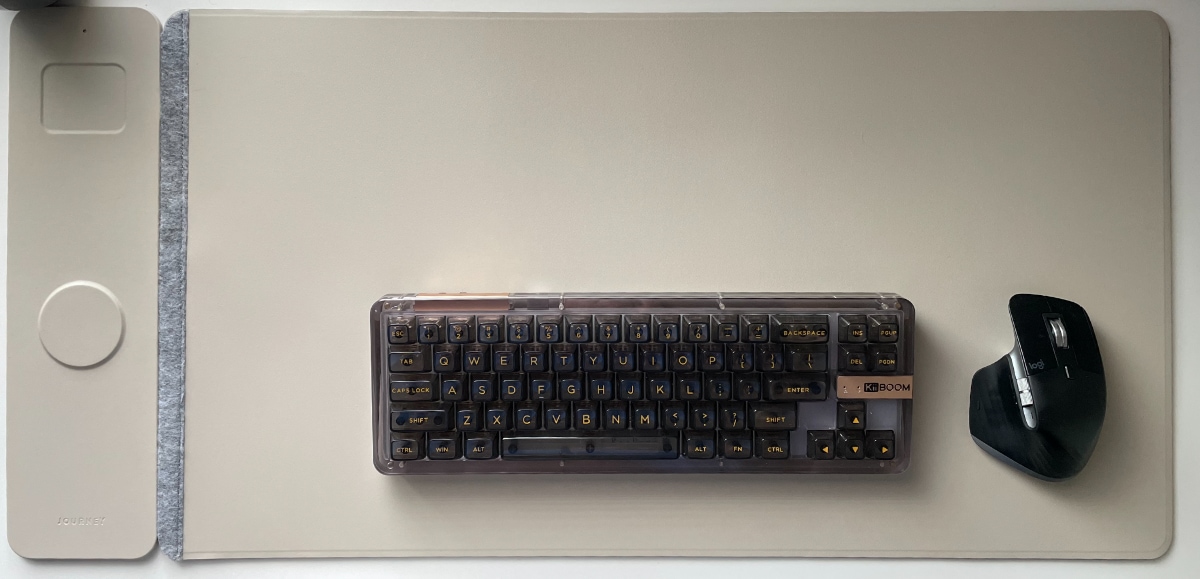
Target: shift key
(413, 359)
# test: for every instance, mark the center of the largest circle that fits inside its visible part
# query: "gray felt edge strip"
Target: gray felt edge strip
(172, 278)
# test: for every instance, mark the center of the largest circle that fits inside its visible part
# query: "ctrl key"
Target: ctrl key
(408, 447)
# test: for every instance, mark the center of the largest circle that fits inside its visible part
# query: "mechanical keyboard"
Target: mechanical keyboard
(633, 383)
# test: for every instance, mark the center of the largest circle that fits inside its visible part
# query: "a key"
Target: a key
(852, 329)
(592, 357)
(820, 444)
(637, 328)
(608, 329)
(770, 357)
(520, 329)
(882, 358)
(747, 386)
(454, 386)
(882, 328)
(741, 357)
(725, 328)
(541, 386)
(496, 417)
(852, 358)
(850, 445)
(851, 415)
(512, 387)
(696, 328)
(653, 357)
(579, 329)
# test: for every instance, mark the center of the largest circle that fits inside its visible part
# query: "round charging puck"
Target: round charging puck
(81, 324)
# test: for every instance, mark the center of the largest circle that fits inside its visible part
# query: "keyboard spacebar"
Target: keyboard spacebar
(606, 447)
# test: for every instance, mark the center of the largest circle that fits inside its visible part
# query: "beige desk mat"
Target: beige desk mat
(954, 158)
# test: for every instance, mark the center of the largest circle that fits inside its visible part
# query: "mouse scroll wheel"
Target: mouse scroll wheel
(1060, 333)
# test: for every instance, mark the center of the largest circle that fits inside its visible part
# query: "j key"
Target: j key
(431, 329)
(733, 416)
(637, 329)
(699, 445)
(806, 358)
(771, 446)
(587, 416)
(409, 359)
(747, 386)
(754, 328)
(725, 328)
(443, 446)
(400, 329)
(645, 415)
(420, 419)
(592, 357)
(653, 357)
(497, 417)
(793, 387)
(718, 386)
(882, 328)
(610, 445)
(446, 358)
(616, 415)
(674, 416)
(461, 329)
(608, 329)
(852, 358)
(741, 358)
(601, 387)
(579, 329)
(469, 418)
(570, 387)
(512, 387)
(688, 387)
(490, 329)
(682, 358)
(666, 329)
(455, 386)
(541, 386)
(768, 416)
(479, 446)
(882, 358)
(711, 358)
(703, 416)
(629, 386)
(696, 328)
(533, 358)
(734, 445)
(408, 447)
(505, 358)
(483, 388)
(527, 416)
(658, 386)
(549, 329)
(520, 329)
(800, 329)
(475, 358)
(770, 357)
(416, 388)
(558, 416)
(622, 358)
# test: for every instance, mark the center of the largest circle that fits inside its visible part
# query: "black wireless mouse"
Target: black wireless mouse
(1040, 408)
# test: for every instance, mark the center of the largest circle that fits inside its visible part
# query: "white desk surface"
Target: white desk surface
(1183, 559)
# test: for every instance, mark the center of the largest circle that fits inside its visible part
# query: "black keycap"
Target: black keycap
(497, 417)
(533, 358)
(483, 388)
(476, 358)
(674, 416)
(681, 357)
(852, 358)
(541, 386)
(401, 329)
(755, 328)
(601, 387)
(629, 386)
(718, 386)
(725, 328)
(592, 357)
(852, 329)
(505, 358)
(658, 386)
(549, 329)
(616, 415)
(637, 328)
(409, 359)
(443, 446)
(490, 329)
(773, 446)
(608, 329)
(820, 444)
(408, 447)
(773, 416)
(570, 387)
(460, 329)
(851, 415)
(850, 445)
(579, 329)
(455, 386)
(733, 416)
(770, 357)
(736, 445)
(806, 358)
(711, 357)
(469, 417)
(512, 387)
(666, 329)
(479, 446)
(431, 329)
(747, 386)
(653, 357)
(882, 328)
(794, 387)
(699, 445)
(606, 446)
(800, 329)
(558, 416)
(882, 358)
(696, 327)
(446, 358)
(587, 416)
(689, 386)
(881, 444)
(702, 416)
(740, 358)
(420, 418)
(413, 388)
(645, 415)
(527, 416)
(622, 358)
(520, 329)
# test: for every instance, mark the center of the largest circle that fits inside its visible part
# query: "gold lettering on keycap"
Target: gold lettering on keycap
(571, 389)
(644, 419)
(526, 419)
(774, 450)
(659, 389)
(407, 361)
(496, 420)
(776, 420)
(738, 448)
(541, 389)
(682, 361)
(557, 418)
(444, 361)
(473, 360)
(511, 390)
(615, 418)
(585, 419)
(466, 420)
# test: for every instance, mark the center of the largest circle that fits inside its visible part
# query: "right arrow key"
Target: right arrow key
(881, 444)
